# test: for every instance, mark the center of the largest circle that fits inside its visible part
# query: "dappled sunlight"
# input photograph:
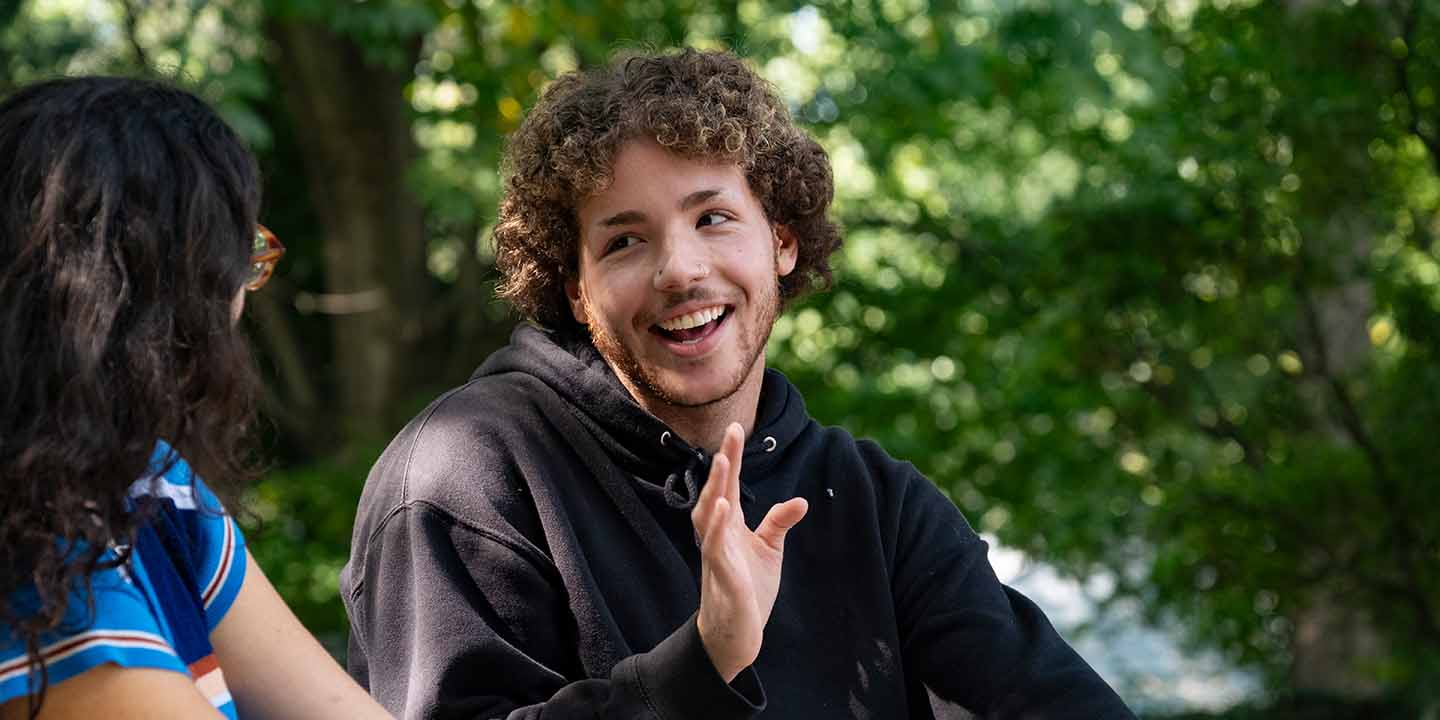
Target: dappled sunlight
(1148, 287)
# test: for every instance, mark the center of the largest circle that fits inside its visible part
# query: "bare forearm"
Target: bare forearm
(275, 668)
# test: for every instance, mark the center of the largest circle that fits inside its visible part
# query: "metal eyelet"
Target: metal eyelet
(770, 443)
(664, 437)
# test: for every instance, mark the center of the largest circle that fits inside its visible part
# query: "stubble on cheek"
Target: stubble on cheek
(623, 360)
(620, 357)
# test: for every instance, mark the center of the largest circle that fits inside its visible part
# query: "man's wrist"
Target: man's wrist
(727, 670)
(683, 682)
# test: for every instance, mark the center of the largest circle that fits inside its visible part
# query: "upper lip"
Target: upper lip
(689, 307)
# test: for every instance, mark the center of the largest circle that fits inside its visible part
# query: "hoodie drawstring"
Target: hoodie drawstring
(687, 476)
(692, 488)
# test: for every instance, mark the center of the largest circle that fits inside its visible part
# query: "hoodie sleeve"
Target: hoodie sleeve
(973, 640)
(452, 622)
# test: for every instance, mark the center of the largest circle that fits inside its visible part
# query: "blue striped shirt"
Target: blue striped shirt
(129, 627)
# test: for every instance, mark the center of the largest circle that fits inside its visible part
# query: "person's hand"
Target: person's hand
(739, 569)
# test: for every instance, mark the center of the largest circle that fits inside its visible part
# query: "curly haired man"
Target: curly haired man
(596, 524)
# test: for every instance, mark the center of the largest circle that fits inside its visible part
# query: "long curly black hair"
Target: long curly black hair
(696, 104)
(127, 217)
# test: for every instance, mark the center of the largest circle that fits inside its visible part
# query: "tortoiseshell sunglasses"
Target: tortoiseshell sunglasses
(266, 251)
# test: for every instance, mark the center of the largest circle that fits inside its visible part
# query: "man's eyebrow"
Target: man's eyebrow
(698, 197)
(628, 217)
(633, 217)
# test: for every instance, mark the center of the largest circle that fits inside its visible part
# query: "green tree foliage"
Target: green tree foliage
(1151, 290)
(1150, 287)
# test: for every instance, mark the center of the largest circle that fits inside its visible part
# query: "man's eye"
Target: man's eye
(620, 243)
(711, 219)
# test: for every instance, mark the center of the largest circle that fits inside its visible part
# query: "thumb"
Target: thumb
(779, 520)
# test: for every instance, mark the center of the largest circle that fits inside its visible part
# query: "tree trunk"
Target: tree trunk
(354, 128)
(1335, 643)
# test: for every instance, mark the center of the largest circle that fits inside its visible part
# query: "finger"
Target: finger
(713, 490)
(712, 547)
(779, 520)
(733, 446)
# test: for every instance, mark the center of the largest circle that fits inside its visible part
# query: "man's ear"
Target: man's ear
(787, 250)
(577, 303)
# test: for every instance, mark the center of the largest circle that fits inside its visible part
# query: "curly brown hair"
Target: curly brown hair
(697, 104)
(127, 217)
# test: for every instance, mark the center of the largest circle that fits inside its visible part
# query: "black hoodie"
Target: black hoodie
(523, 549)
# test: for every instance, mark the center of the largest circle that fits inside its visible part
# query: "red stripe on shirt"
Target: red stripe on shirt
(226, 560)
(69, 644)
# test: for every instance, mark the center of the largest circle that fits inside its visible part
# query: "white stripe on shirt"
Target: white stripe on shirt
(61, 649)
(157, 486)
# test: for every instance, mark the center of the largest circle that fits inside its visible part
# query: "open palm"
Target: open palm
(739, 569)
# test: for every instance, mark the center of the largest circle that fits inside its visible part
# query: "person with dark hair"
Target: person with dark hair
(571, 533)
(128, 239)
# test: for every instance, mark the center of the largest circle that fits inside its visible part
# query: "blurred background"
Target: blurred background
(1149, 287)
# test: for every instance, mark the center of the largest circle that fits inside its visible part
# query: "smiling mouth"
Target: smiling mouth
(691, 328)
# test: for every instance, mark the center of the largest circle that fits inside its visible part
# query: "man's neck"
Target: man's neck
(704, 427)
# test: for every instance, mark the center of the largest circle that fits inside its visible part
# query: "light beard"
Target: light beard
(639, 379)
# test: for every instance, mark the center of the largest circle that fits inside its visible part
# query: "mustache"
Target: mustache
(693, 295)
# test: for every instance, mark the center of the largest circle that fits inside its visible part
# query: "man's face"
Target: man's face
(679, 276)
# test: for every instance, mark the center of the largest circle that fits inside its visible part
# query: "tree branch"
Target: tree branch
(188, 33)
(1223, 429)
(132, 33)
(1407, 543)
(1350, 419)
(1409, 22)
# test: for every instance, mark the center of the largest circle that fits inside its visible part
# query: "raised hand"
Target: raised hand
(739, 569)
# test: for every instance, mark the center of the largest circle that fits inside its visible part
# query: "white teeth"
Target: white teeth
(694, 319)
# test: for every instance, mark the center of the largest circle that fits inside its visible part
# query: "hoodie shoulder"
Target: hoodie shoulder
(839, 445)
(491, 407)
(460, 455)
(863, 464)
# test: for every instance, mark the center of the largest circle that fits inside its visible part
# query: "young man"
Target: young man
(570, 533)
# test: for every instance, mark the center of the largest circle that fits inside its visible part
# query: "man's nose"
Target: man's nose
(683, 264)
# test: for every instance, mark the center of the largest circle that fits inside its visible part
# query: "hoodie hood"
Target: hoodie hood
(662, 463)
